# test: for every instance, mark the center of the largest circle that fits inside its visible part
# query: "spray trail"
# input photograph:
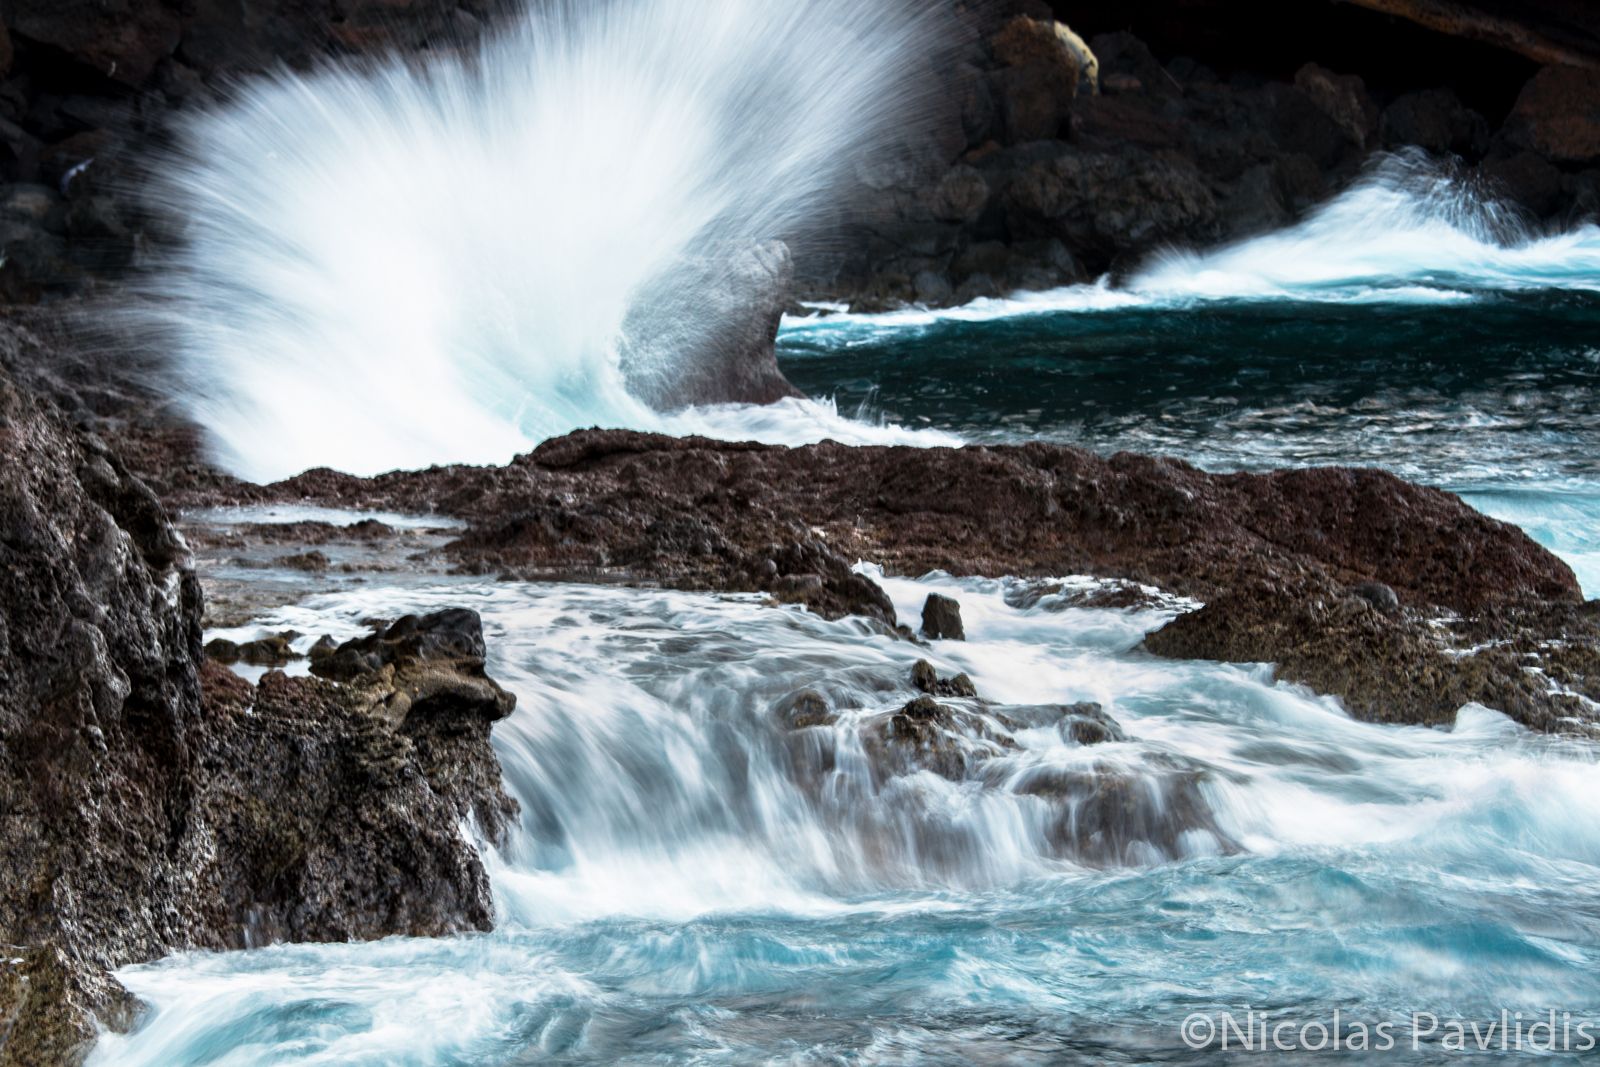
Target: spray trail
(409, 263)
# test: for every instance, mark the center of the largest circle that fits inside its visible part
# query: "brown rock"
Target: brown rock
(1558, 115)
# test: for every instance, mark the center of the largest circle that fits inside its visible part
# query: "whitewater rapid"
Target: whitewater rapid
(673, 894)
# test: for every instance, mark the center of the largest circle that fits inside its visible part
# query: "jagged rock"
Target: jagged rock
(1262, 549)
(1113, 814)
(1435, 120)
(925, 678)
(941, 618)
(1343, 98)
(925, 735)
(152, 801)
(334, 808)
(1088, 724)
(1038, 78)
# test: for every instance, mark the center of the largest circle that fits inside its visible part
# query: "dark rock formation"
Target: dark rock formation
(1566, 32)
(151, 801)
(99, 719)
(927, 680)
(1278, 558)
(1558, 115)
(941, 618)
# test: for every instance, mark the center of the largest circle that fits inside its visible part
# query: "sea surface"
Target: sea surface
(678, 894)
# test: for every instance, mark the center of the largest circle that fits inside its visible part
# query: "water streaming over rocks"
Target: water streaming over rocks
(751, 834)
(697, 877)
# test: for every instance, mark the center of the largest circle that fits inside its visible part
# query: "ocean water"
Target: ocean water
(694, 883)
(679, 894)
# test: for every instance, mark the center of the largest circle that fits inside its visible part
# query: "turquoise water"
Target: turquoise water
(677, 896)
(691, 883)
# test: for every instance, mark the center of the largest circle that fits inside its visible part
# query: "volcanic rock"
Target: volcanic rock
(1558, 115)
(941, 618)
(1274, 556)
(925, 678)
(151, 801)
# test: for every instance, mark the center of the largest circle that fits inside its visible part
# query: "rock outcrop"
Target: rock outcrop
(1050, 153)
(1287, 563)
(150, 801)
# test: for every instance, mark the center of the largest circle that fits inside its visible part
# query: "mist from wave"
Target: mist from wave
(398, 263)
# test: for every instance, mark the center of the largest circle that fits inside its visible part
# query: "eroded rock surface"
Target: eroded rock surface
(1287, 562)
(152, 801)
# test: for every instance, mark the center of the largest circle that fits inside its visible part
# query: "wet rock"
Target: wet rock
(1435, 120)
(803, 709)
(314, 561)
(270, 651)
(1343, 98)
(925, 735)
(1088, 724)
(1262, 550)
(153, 800)
(1558, 115)
(941, 618)
(925, 678)
(1117, 814)
(1038, 78)
(336, 807)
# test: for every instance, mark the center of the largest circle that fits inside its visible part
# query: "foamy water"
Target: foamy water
(675, 894)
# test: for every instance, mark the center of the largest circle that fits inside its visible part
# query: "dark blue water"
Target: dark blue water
(685, 896)
(1496, 396)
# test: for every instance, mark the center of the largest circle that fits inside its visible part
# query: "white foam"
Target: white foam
(423, 261)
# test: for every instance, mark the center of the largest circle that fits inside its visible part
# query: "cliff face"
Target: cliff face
(1054, 144)
(149, 804)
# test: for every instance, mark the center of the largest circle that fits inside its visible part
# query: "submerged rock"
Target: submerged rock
(925, 678)
(803, 709)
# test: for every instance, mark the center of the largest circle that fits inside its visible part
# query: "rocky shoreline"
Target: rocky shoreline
(151, 801)
(1399, 599)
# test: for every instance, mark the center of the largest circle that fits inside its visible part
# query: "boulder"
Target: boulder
(941, 618)
(1037, 79)
(1558, 115)
(1343, 98)
(926, 679)
(1435, 120)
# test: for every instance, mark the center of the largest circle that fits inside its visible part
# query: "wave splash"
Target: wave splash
(1409, 231)
(406, 263)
